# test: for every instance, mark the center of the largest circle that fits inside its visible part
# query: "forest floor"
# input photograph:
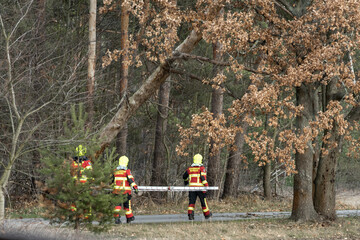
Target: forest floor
(342, 228)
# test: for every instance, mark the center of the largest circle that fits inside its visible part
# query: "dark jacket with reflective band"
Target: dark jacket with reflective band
(123, 181)
(195, 176)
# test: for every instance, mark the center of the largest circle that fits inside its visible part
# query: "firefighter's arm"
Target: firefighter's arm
(203, 177)
(88, 165)
(186, 178)
(131, 181)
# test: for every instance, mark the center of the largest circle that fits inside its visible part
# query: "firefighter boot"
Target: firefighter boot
(117, 220)
(130, 219)
(191, 216)
(208, 216)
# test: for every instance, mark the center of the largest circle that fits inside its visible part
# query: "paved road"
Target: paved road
(226, 216)
(171, 218)
(36, 227)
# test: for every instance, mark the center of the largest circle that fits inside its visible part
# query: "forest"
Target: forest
(266, 90)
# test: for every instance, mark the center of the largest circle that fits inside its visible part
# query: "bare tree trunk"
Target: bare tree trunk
(267, 172)
(160, 164)
(2, 203)
(266, 181)
(91, 61)
(124, 71)
(303, 207)
(217, 99)
(158, 176)
(233, 165)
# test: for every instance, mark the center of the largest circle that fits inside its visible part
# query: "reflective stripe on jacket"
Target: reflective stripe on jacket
(196, 176)
(123, 181)
(79, 173)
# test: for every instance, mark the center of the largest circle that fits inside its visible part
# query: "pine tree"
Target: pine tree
(69, 201)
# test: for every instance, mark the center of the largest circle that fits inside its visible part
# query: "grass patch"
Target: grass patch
(25, 210)
(348, 228)
(244, 203)
(143, 205)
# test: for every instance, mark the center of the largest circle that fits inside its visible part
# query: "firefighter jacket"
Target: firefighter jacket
(123, 181)
(78, 168)
(195, 176)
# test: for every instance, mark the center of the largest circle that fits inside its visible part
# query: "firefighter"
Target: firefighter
(123, 183)
(195, 176)
(79, 165)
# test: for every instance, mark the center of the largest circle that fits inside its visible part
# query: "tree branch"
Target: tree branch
(192, 76)
(185, 56)
(284, 6)
(151, 84)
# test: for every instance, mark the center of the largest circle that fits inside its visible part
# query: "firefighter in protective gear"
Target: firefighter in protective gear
(123, 183)
(79, 166)
(195, 176)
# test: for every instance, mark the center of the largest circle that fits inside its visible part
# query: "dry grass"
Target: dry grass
(344, 228)
(254, 229)
(244, 203)
(143, 205)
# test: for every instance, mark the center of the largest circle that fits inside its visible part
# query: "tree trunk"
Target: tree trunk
(2, 203)
(4, 180)
(324, 200)
(233, 165)
(124, 71)
(91, 61)
(148, 88)
(158, 176)
(266, 181)
(324, 196)
(217, 99)
(267, 171)
(303, 208)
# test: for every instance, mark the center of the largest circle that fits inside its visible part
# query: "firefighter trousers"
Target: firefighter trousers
(127, 208)
(192, 200)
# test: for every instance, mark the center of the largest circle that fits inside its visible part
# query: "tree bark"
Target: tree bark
(303, 207)
(2, 203)
(158, 176)
(267, 171)
(148, 88)
(91, 61)
(217, 99)
(231, 182)
(324, 200)
(266, 180)
(324, 194)
(124, 71)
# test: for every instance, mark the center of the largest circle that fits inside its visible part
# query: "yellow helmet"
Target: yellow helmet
(123, 161)
(80, 150)
(198, 159)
